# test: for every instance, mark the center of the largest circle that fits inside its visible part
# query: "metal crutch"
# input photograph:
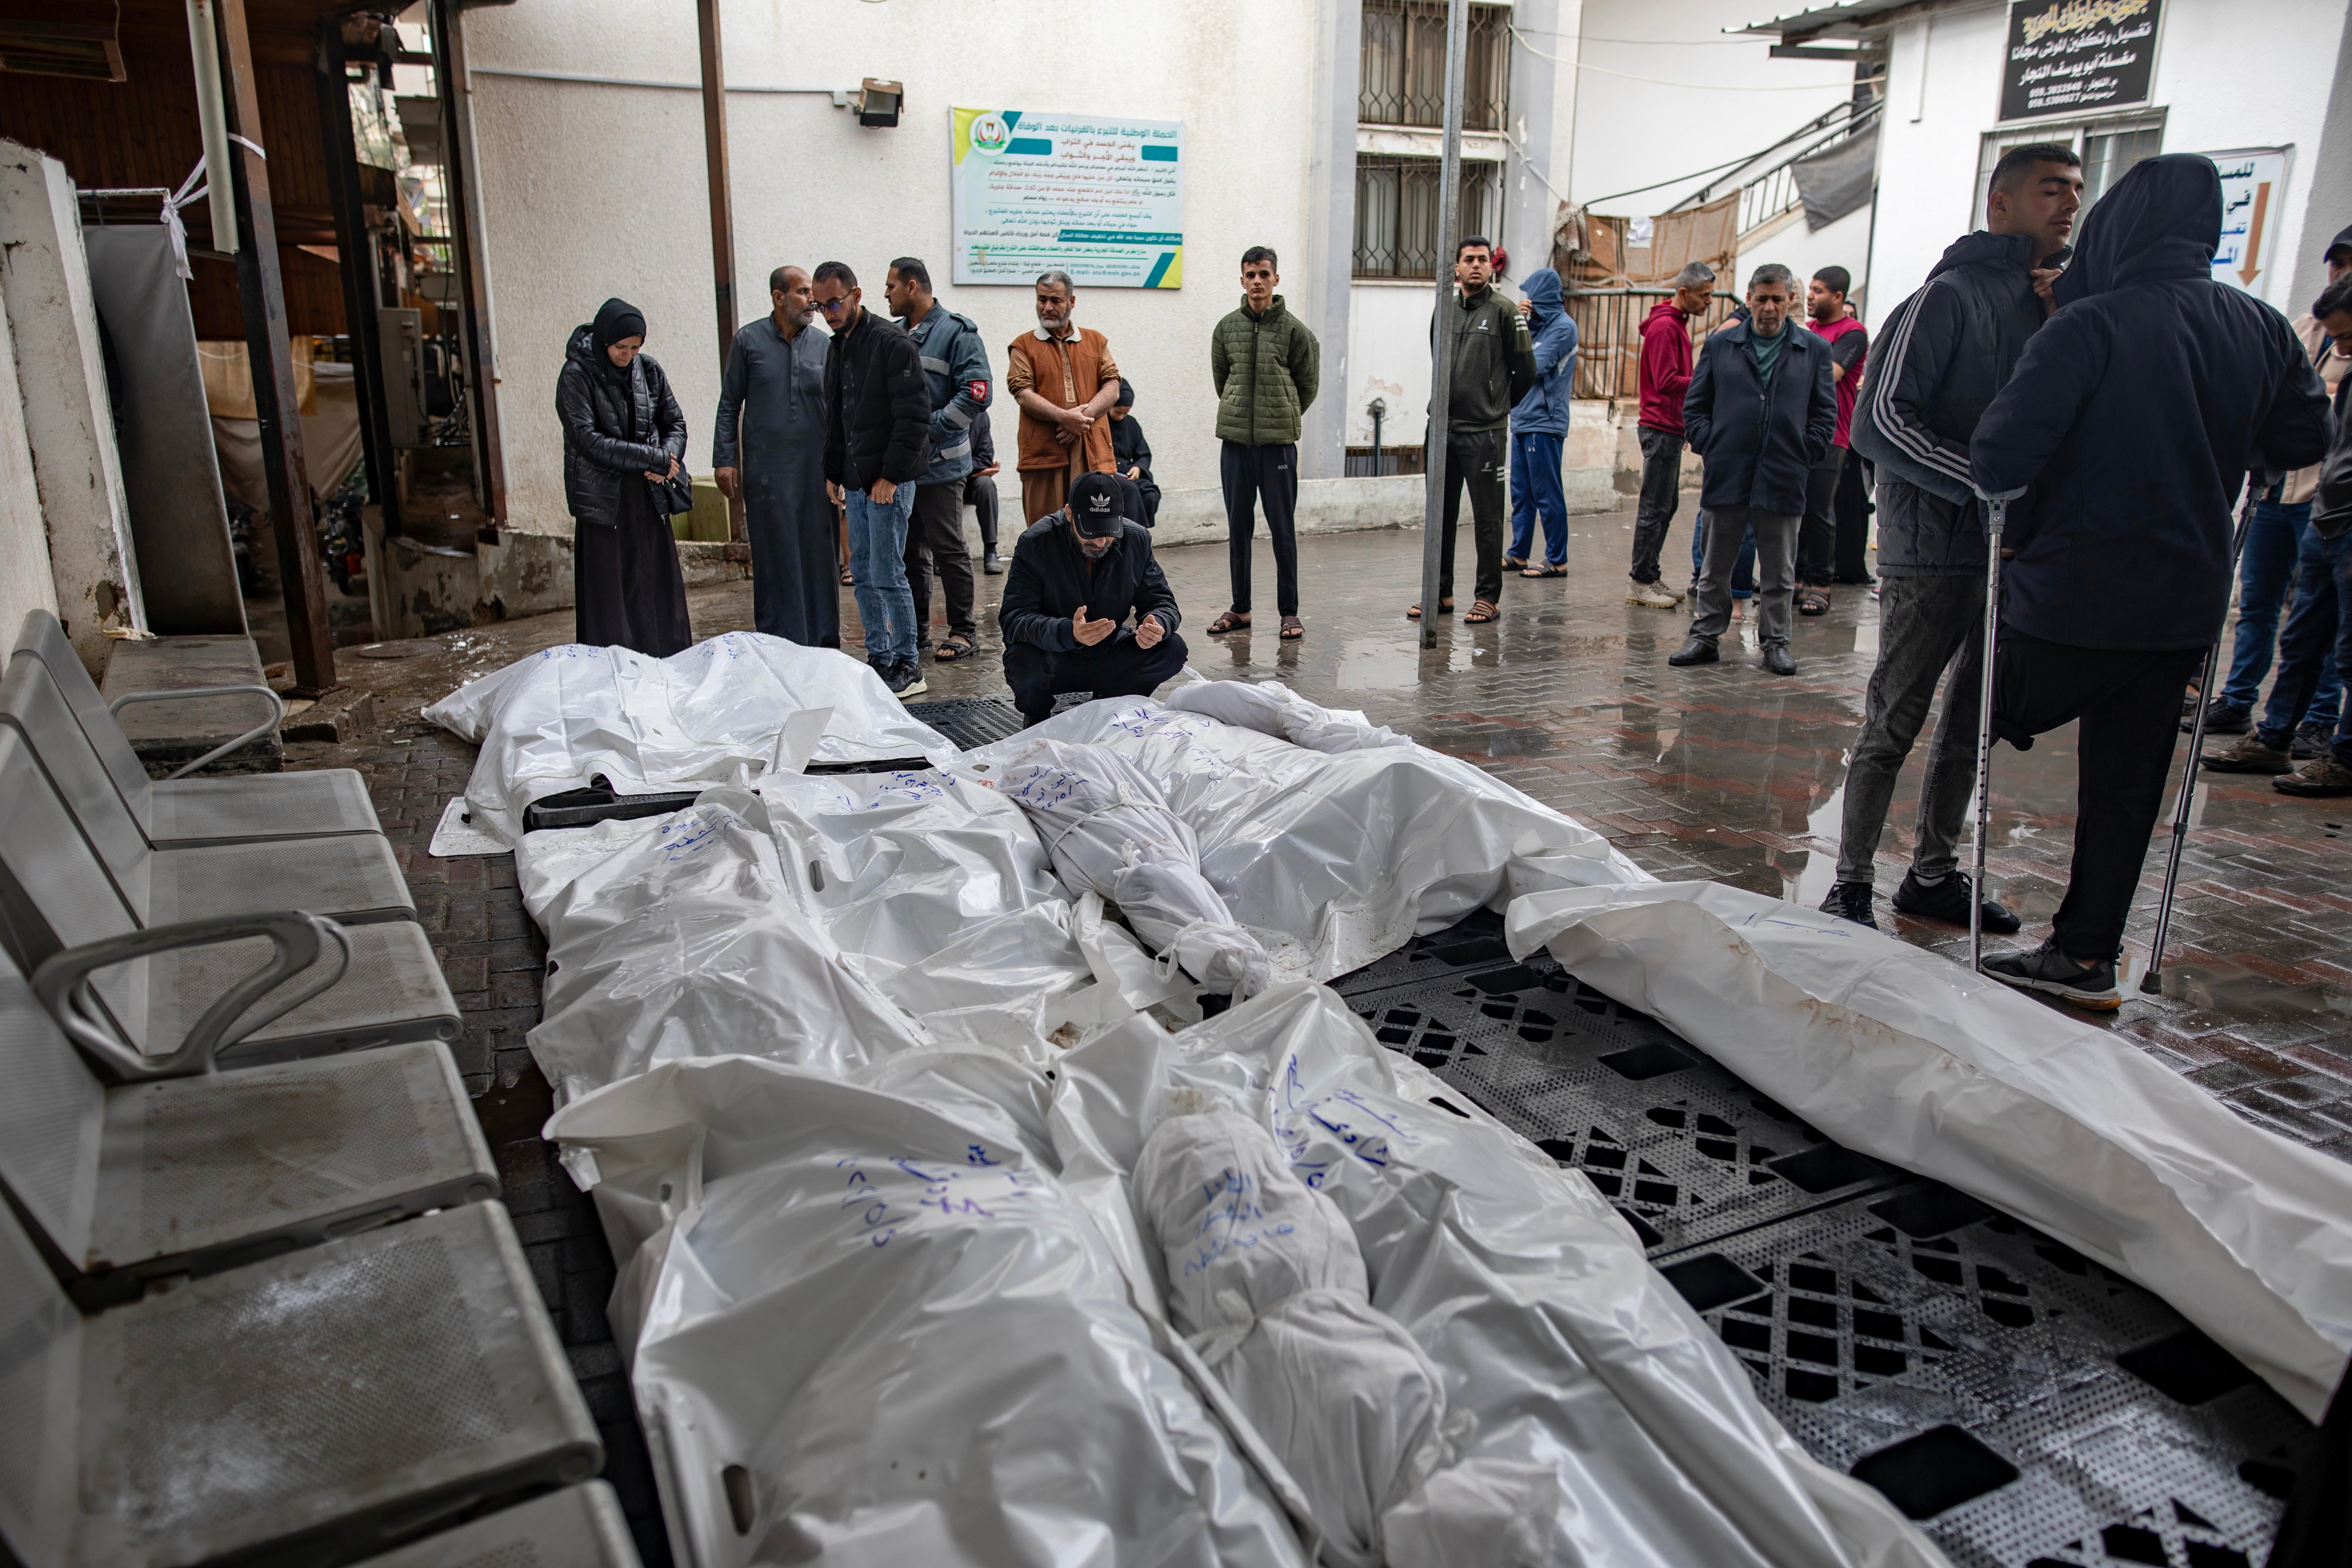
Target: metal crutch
(2152, 983)
(1996, 505)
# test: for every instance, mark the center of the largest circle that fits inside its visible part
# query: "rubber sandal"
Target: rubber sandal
(1292, 628)
(1228, 622)
(848, 580)
(1481, 612)
(1513, 562)
(954, 648)
(1813, 602)
(1443, 608)
(1545, 571)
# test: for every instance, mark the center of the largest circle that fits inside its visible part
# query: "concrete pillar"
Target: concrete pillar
(24, 583)
(1543, 126)
(61, 383)
(1331, 231)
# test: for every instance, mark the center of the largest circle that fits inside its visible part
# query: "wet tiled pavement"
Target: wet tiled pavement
(1718, 771)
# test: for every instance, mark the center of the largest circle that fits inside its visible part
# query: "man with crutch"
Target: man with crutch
(2135, 414)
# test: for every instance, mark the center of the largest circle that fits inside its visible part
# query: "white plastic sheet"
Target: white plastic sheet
(1270, 707)
(874, 1332)
(1264, 1277)
(554, 720)
(1345, 856)
(1607, 1423)
(1912, 1059)
(1110, 833)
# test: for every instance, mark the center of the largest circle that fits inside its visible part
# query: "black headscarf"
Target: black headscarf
(615, 320)
(2161, 220)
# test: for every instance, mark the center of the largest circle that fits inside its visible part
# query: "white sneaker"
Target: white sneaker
(1653, 596)
(1679, 593)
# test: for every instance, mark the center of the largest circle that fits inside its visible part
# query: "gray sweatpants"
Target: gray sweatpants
(1927, 626)
(1776, 566)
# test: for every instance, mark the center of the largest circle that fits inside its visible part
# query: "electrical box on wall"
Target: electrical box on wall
(401, 335)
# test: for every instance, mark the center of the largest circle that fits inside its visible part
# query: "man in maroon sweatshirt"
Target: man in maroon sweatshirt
(1665, 376)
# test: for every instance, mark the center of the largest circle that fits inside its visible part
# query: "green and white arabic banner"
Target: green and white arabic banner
(1100, 197)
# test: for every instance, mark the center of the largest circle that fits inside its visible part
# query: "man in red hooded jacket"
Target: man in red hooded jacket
(1666, 378)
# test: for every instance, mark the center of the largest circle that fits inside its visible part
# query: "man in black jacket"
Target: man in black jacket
(877, 430)
(1493, 367)
(1078, 575)
(1941, 357)
(2136, 412)
(1760, 410)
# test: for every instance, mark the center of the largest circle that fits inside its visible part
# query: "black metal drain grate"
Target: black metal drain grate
(969, 721)
(2031, 1409)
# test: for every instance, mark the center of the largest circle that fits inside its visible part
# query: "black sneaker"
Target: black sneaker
(1698, 650)
(2310, 740)
(905, 680)
(2221, 719)
(2048, 969)
(1850, 901)
(1947, 901)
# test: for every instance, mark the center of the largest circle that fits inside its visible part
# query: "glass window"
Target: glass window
(2107, 148)
(1396, 213)
(1403, 71)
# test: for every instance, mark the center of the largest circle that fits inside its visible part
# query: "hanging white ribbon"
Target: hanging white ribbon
(188, 192)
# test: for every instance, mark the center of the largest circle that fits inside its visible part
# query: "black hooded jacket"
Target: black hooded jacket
(1939, 359)
(2135, 414)
(1051, 577)
(618, 426)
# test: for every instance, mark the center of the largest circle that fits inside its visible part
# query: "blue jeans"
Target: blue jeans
(1743, 570)
(2318, 632)
(2280, 547)
(877, 559)
(1536, 494)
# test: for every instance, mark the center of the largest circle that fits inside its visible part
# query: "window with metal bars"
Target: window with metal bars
(1396, 213)
(1402, 79)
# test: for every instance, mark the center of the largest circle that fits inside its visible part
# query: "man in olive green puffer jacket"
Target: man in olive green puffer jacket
(1266, 365)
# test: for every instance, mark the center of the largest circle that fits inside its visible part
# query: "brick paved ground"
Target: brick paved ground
(1717, 772)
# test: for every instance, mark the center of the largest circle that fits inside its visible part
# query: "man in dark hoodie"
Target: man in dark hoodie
(1665, 377)
(2135, 412)
(1942, 355)
(1493, 367)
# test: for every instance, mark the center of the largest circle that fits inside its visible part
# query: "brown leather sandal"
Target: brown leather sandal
(1482, 612)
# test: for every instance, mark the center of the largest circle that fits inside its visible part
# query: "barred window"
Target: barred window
(1402, 80)
(1396, 213)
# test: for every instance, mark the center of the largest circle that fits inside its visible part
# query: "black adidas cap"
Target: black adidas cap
(1095, 502)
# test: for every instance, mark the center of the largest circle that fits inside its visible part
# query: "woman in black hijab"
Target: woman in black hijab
(623, 436)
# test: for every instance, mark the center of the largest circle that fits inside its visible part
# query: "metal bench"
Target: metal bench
(54, 893)
(199, 1171)
(579, 1526)
(183, 811)
(353, 878)
(314, 1408)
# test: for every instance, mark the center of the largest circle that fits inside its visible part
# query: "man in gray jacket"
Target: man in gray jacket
(1940, 358)
(955, 364)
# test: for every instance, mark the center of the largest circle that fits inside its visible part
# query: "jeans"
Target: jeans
(1929, 629)
(2319, 628)
(1537, 494)
(2129, 703)
(1743, 570)
(1474, 457)
(1266, 476)
(935, 544)
(877, 558)
(2280, 549)
(1662, 484)
(1817, 542)
(1116, 666)
(1775, 564)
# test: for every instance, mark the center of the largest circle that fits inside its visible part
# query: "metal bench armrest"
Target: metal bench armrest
(277, 717)
(62, 984)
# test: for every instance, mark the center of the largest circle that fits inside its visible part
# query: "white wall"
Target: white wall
(590, 191)
(1388, 358)
(1707, 97)
(2229, 74)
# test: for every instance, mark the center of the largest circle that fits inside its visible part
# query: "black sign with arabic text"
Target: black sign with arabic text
(2072, 57)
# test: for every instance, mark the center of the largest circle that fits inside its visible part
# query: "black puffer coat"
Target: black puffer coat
(612, 437)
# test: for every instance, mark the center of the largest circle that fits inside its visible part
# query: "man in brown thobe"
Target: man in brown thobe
(1065, 380)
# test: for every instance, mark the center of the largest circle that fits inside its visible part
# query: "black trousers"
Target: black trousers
(1817, 535)
(1267, 476)
(1121, 666)
(1661, 485)
(935, 541)
(980, 494)
(2129, 703)
(1853, 510)
(1473, 458)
